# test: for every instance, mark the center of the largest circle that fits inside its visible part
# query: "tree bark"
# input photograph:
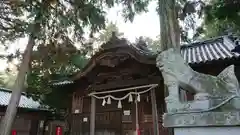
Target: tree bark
(169, 30)
(8, 119)
(169, 27)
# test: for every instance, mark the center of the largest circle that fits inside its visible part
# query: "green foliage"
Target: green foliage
(222, 10)
(133, 7)
(7, 79)
(59, 98)
(11, 26)
(189, 13)
(152, 44)
(222, 15)
(105, 35)
(57, 26)
(50, 65)
(3, 80)
(79, 61)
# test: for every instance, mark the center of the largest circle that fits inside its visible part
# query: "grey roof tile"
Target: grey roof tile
(25, 102)
(215, 49)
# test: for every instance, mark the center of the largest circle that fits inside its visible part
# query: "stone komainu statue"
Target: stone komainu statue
(178, 74)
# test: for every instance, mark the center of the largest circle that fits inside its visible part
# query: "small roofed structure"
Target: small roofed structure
(25, 102)
(117, 91)
(30, 116)
(33, 118)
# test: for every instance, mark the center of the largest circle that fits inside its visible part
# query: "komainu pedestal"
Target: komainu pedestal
(216, 101)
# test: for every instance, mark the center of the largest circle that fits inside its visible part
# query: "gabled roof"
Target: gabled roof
(215, 49)
(25, 102)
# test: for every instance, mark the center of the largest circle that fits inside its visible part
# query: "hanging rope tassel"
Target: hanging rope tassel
(119, 104)
(130, 95)
(130, 99)
(104, 102)
(109, 101)
(138, 97)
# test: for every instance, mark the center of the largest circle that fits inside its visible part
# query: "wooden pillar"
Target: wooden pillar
(92, 115)
(137, 122)
(154, 113)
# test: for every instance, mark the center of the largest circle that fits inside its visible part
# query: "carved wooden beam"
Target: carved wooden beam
(127, 83)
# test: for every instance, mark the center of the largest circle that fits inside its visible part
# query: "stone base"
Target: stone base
(205, 119)
(207, 131)
(201, 105)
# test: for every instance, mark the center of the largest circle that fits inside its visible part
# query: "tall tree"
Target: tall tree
(45, 19)
(169, 27)
(186, 14)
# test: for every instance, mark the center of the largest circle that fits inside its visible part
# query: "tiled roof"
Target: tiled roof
(215, 49)
(25, 102)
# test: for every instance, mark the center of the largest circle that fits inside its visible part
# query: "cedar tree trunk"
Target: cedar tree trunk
(8, 119)
(169, 27)
(169, 30)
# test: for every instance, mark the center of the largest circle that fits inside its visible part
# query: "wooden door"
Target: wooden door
(107, 123)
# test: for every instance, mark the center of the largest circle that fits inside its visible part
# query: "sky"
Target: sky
(145, 24)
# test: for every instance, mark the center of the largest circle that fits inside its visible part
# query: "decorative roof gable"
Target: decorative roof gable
(216, 49)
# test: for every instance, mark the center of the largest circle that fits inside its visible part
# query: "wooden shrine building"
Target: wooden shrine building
(117, 90)
(30, 117)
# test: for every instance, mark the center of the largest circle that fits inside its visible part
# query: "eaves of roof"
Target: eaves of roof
(25, 102)
(215, 49)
